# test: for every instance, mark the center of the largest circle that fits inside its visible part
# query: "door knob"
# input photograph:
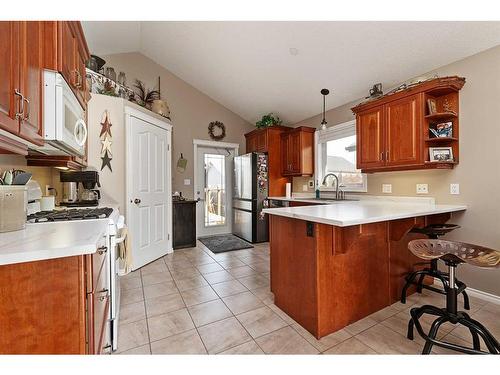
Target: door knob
(137, 201)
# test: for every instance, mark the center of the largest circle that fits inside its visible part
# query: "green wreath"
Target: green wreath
(212, 129)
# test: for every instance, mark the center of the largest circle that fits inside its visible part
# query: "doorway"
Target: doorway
(213, 186)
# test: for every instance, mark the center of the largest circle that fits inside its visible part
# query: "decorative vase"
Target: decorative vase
(160, 106)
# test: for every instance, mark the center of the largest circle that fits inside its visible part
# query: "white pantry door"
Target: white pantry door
(149, 191)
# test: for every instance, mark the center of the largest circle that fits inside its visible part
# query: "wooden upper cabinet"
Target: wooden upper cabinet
(256, 141)
(285, 154)
(21, 86)
(9, 76)
(370, 138)
(67, 52)
(32, 80)
(297, 152)
(251, 142)
(73, 54)
(393, 132)
(403, 131)
(262, 141)
(81, 84)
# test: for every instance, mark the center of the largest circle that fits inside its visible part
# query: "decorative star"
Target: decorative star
(106, 146)
(106, 126)
(106, 161)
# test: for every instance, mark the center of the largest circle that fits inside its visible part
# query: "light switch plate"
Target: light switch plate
(387, 188)
(422, 188)
(187, 181)
(455, 189)
(304, 187)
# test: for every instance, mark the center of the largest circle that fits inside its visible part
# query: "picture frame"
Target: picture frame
(440, 154)
(445, 129)
(431, 106)
(441, 130)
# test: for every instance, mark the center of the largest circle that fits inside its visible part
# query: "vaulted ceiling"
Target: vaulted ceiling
(254, 68)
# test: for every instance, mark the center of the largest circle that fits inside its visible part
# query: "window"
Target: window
(336, 153)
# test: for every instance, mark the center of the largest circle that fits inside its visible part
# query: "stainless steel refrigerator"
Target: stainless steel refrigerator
(250, 196)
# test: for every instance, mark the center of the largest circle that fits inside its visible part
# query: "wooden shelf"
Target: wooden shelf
(441, 139)
(441, 116)
(441, 164)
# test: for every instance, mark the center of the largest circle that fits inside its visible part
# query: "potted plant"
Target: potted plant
(268, 120)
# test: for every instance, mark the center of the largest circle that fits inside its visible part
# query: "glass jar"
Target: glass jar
(122, 80)
(110, 73)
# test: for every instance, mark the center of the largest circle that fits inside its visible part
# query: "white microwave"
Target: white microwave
(65, 131)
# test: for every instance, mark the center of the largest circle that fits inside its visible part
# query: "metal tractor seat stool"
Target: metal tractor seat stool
(453, 253)
(433, 231)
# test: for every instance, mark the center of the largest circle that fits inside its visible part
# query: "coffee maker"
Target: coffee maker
(79, 189)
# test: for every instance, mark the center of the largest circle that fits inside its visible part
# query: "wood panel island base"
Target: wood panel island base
(327, 277)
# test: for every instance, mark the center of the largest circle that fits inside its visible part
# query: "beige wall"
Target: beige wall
(478, 172)
(191, 111)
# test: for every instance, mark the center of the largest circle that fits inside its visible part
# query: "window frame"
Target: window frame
(326, 135)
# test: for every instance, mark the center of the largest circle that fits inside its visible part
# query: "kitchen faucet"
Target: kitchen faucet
(336, 183)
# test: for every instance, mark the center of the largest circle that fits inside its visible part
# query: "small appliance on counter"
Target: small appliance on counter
(79, 189)
(34, 197)
(13, 207)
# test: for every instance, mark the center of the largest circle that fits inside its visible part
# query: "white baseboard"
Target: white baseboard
(488, 297)
(483, 295)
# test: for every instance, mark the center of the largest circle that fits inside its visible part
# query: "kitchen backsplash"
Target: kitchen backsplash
(44, 175)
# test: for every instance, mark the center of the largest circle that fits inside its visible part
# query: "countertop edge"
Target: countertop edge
(346, 223)
(63, 252)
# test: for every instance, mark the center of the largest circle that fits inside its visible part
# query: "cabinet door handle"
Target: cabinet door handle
(101, 250)
(27, 115)
(20, 114)
(137, 201)
(382, 155)
(387, 155)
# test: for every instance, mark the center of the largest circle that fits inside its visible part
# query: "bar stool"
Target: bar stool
(453, 253)
(433, 231)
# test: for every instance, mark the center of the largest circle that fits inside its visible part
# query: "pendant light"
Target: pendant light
(324, 92)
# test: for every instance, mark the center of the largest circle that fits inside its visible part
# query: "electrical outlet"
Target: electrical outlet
(455, 189)
(304, 187)
(311, 184)
(422, 189)
(387, 188)
(187, 182)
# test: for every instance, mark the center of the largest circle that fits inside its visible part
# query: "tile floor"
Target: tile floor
(197, 302)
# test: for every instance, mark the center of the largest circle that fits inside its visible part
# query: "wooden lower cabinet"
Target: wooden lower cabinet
(56, 306)
(327, 277)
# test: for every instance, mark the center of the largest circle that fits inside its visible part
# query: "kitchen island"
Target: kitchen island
(334, 264)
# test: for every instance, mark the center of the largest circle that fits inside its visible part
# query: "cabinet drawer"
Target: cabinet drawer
(101, 321)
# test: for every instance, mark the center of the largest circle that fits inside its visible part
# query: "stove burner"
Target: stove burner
(71, 214)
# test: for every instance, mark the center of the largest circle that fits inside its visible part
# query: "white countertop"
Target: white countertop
(40, 241)
(345, 213)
